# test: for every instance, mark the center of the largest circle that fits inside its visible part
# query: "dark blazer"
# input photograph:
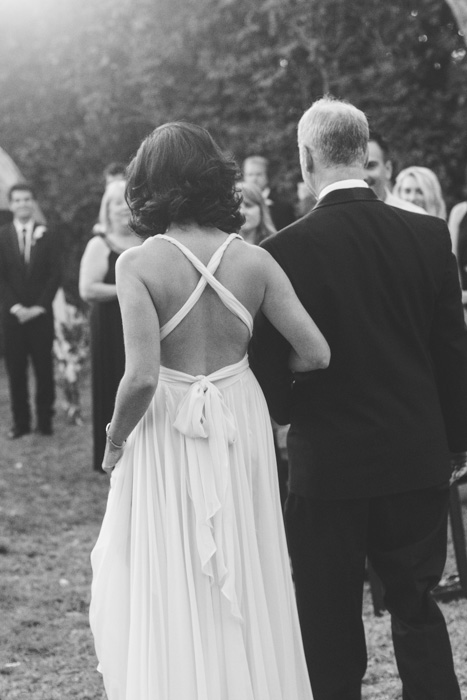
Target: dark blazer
(382, 285)
(34, 284)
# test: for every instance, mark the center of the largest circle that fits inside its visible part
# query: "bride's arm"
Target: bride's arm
(283, 309)
(142, 355)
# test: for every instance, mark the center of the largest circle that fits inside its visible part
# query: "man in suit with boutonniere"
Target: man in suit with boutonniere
(29, 279)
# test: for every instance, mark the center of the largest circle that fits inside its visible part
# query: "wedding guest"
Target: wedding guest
(258, 223)
(420, 186)
(458, 229)
(97, 287)
(29, 278)
(112, 173)
(255, 171)
(379, 171)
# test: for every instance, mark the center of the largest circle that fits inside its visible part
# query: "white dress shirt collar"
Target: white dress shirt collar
(28, 225)
(341, 185)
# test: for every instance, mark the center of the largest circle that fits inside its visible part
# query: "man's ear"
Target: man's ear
(309, 161)
(388, 166)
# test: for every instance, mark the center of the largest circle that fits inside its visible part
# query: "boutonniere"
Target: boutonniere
(38, 233)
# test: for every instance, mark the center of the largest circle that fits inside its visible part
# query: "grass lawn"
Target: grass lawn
(51, 506)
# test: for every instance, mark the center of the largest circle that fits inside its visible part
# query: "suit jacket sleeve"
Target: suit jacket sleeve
(8, 296)
(449, 351)
(269, 355)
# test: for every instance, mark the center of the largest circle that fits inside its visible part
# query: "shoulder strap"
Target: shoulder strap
(207, 277)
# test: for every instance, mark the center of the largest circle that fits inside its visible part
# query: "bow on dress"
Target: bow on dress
(209, 427)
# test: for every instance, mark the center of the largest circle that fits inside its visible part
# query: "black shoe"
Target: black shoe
(16, 432)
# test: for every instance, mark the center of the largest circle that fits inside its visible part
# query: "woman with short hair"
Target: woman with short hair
(192, 596)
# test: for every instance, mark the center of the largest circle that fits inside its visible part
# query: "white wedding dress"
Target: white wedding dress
(192, 596)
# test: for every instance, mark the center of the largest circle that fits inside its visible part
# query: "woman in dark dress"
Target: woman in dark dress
(97, 286)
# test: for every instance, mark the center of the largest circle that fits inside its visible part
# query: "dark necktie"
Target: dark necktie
(24, 234)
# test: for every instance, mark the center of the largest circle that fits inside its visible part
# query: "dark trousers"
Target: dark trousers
(404, 537)
(32, 340)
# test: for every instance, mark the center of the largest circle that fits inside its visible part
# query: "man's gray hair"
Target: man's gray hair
(336, 131)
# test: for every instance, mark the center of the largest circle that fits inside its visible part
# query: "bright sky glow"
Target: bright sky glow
(15, 11)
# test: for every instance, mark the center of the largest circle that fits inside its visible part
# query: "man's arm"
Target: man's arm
(8, 295)
(269, 354)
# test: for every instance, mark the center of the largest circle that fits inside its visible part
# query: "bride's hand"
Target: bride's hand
(111, 457)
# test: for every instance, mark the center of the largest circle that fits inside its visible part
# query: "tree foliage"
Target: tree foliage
(82, 82)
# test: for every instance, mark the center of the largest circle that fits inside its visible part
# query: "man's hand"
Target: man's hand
(27, 313)
(21, 313)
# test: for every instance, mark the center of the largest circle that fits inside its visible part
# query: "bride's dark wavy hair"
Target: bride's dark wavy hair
(179, 176)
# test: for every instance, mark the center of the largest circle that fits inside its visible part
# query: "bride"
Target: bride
(192, 597)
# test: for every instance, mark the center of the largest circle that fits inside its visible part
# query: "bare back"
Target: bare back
(210, 335)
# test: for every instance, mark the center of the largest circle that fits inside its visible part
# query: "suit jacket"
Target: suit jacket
(34, 284)
(382, 285)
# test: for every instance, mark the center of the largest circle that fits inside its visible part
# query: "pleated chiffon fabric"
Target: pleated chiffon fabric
(192, 596)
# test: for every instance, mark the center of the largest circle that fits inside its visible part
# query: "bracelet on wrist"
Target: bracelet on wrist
(111, 442)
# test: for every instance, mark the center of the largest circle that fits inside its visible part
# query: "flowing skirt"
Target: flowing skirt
(192, 596)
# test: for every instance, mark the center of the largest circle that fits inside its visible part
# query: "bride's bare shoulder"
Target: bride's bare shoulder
(263, 261)
(254, 253)
(150, 250)
(130, 262)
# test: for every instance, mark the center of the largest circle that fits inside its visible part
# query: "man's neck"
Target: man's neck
(387, 193)
(330, 175)
(21, 221)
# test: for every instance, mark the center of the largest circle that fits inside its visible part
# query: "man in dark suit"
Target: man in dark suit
(372, 436)
(29, 279)
(255, 170)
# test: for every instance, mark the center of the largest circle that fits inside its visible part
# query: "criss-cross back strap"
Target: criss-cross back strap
(207, 277)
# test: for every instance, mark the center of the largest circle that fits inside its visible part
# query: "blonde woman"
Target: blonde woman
(421, 187)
